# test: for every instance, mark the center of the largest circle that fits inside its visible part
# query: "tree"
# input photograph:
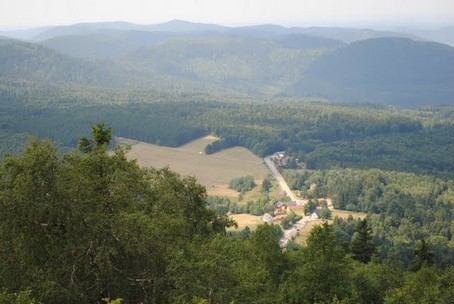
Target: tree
(101, 138)
(101, 135)
(422, 286)
(321, 270)
(310, 207)
(242, 184)
(83, 227)
(325, 213)
(362, 245)
(290, 219)
(423, 255)
(265, 244)
(266, 185)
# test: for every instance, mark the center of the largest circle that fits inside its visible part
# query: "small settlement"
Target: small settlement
(282, 209)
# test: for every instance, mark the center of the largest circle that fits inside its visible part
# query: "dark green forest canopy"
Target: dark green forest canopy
(402, 208)
(319, 133)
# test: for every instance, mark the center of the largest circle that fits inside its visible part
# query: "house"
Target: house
(267, 218)
(281, 207)
(279, 155)
(280, 217)
(316, 214)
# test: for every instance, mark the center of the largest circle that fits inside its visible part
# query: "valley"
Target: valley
(137, 164)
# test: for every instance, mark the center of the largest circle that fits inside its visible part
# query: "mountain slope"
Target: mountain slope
(32, 62)
(349, 35)
(81, 29)
(391, 70)
(106, 44)
(252, 65)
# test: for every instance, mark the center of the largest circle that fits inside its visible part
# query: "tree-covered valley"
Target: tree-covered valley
(367, 115)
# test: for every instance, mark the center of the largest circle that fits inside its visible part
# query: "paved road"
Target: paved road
(269, 162)
(293, 231)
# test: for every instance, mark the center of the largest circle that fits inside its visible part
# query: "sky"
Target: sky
(31, 13)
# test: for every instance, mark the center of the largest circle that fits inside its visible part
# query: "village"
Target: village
(282, 209)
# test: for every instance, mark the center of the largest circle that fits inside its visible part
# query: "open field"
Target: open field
(243, 220)
(213, 171)
(345, 214)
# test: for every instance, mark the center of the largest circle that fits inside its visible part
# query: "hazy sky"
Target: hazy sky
(17, 13)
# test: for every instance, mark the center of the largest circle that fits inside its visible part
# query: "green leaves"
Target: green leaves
(101, 139)
(242, 184)
(321, 270)
(362, 246)
(86, 226)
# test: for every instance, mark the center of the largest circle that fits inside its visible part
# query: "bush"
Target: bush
(242, 184)
(291, 219)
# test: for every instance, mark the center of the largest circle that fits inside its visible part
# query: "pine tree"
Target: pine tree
(362, 246)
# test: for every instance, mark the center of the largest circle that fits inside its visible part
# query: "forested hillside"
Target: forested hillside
(320, 134)
(34, 63)
(105, 44)
(390, 70)
(259, 61)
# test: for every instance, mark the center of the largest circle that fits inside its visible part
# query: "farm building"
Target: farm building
(281, 207)
(267, 218)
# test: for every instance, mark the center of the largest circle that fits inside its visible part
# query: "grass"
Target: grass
(345, 214)
(243, 220)
(213, 171)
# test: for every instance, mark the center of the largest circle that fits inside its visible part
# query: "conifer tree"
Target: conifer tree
(362, 246)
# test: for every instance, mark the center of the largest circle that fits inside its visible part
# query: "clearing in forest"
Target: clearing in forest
(243, 220)
(213, 171)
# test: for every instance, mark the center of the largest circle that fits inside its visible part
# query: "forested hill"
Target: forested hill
(393, 70)
(106, 44)
(35, 63)
(268, 61)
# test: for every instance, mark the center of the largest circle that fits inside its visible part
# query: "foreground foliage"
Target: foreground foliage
(86, 226)
(82, 227)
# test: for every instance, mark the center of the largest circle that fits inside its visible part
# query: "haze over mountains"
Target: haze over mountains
(351, 65)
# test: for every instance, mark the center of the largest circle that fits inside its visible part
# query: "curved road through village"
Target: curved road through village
(293, 231)
(282, 183)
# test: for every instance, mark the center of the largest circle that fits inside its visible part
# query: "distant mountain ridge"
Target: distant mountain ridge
(344, 34)
(357, 65)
